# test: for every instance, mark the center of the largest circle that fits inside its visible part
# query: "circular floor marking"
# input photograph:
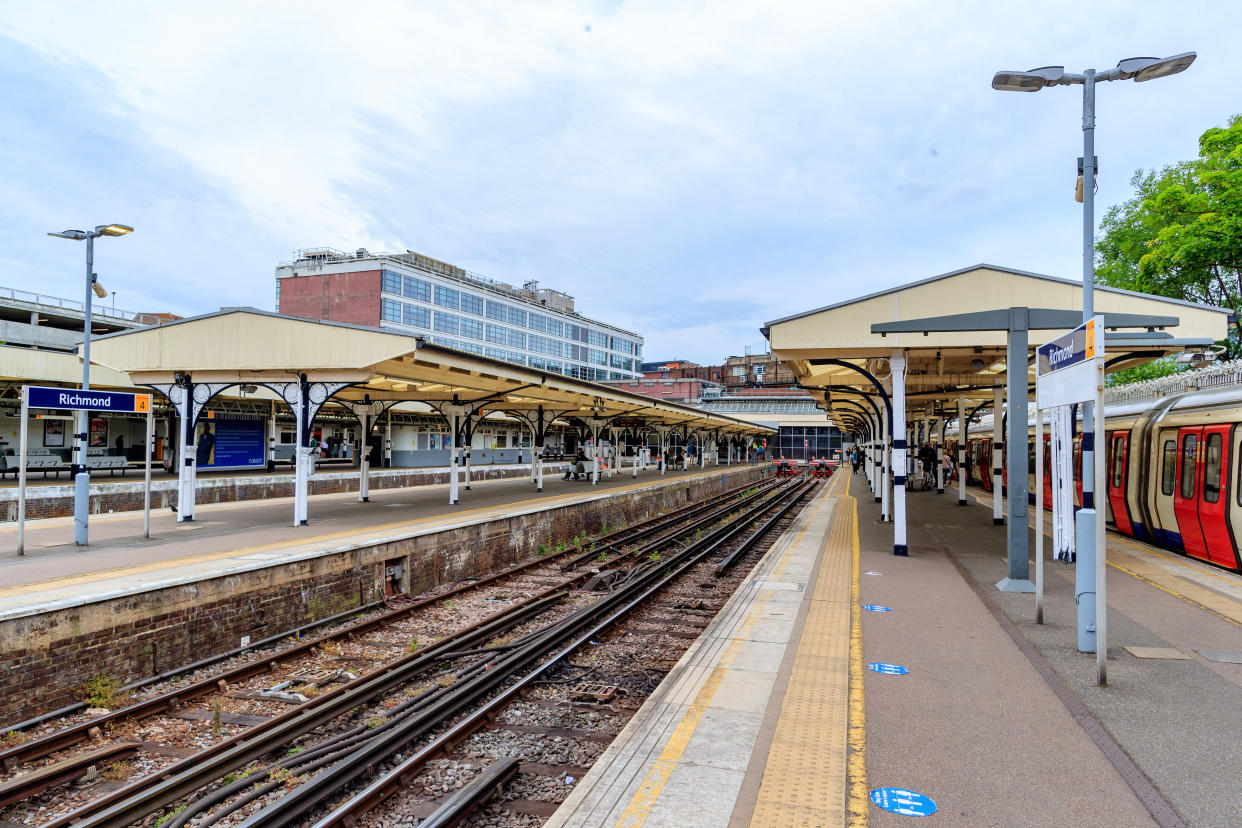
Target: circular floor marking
(901, 801)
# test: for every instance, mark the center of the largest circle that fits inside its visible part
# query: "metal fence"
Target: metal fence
(97, 309)
(1215, 376)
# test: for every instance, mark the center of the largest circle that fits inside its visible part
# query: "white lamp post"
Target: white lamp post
(82, 477)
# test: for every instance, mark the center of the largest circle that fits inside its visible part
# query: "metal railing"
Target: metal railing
(1222, 375)
(97, 309)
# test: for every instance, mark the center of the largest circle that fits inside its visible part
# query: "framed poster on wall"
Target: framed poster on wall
(99, 433)
(54, 433)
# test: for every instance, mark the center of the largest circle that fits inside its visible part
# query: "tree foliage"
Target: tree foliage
(1148, 370)
(1181, 234)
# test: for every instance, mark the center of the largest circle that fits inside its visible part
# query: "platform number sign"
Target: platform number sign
(904, 802)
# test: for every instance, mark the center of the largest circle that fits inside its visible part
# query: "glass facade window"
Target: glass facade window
(472, 304)
(517, 339)
(446, 322)
(804, 442)
(497, 334)
(517, 316)
(506, 356)
(598, 357)
(496, 310)
(390, 282)
(416, 289)
(597, 338)
(471, 347)
(556, 327)
(575, 332)
(416, 316)
(447, 297)
(537, 322)
(543, 345)
(390, 311)
(550, 365)
(472, 328)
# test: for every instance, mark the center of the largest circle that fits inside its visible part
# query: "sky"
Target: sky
(687, 171)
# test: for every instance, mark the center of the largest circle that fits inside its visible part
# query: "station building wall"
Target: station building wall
(341, 297)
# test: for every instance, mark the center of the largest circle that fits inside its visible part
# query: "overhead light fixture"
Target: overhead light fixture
(114, 229)
(976, 365)
(1032, 81)
(1150, 68)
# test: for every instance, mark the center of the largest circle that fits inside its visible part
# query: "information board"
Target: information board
(231, 444)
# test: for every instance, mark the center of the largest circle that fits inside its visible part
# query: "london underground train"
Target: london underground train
(1173, 472)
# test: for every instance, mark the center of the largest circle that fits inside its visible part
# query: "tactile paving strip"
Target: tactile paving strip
(804, 782)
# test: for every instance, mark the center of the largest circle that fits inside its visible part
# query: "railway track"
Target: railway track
(542, 581)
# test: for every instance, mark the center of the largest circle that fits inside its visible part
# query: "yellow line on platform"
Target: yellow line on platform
(856, 764)
(806, 779)
(636, 813)
(370, 534)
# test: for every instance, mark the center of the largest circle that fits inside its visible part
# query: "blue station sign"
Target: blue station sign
(75, 399)
(876, 608)
(886, 669)
(1072, 348)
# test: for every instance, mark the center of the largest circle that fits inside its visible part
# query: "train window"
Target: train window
(1168, 468)
(1190, 449)
(1118, 460)
(1211, 467)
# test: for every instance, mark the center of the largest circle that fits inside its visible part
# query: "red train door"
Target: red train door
(1048, 472)
(1118, 453)
(1214, 496)
(1186, 493)
(1078, 468)
(983, 462)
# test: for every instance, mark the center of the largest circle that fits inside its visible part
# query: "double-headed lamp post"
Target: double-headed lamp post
(1138, 69)
(81, 477)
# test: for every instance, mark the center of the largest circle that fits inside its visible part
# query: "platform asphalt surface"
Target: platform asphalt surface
(218, 529)
(979, 729)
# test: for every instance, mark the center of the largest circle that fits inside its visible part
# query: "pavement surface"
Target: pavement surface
(773, 721)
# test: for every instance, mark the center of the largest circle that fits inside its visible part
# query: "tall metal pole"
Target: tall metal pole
(81, 477)
(1086, 535)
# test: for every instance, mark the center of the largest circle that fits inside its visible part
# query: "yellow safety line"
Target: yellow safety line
(807, 769)
(856, 766)
(362, 536)
(649, 791)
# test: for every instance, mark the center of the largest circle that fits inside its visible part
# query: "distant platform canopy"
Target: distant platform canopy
(947, 363)
(253, 347)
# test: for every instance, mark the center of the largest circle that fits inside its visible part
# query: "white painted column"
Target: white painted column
(301, 472)
(271, 437)
(187, 460)
(898, 363)
(662, 450)
(388, 440)
(469, 445)
(534, 458)
(364, 461)
(595, 455)
(886, 469)
(963, 428)
(452, 459)
(998, 396)
(940, 457)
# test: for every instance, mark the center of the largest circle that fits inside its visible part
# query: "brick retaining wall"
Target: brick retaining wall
(48, 656)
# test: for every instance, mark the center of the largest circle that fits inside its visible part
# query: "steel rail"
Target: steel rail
(328, 783)
(76, 734)
(346, 814)
(189, 775)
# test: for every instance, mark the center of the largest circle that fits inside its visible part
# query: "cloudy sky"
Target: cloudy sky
(686, 170)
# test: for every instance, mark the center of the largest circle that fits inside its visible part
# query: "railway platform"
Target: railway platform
(840, 676)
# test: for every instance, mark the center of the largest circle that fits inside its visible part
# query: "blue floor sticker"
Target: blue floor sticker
(901, 801)
(876, 608)
(887, 669)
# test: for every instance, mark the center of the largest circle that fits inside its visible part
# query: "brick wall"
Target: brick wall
(48, 655)
(340, 297)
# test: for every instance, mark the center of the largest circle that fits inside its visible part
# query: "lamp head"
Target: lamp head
(74, 235)
(1150, 68)
(113, 230)
(99, 290)
(1032, 81)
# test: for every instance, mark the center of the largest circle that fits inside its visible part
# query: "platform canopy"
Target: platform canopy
(249, 346)
(943, 364)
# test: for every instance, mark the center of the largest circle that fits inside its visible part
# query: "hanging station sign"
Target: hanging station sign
(1066, 370)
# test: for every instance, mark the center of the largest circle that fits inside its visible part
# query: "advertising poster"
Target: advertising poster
(99, 432)
(54, 433)
(231, 444)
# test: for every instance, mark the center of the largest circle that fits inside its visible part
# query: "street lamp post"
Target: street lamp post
(1138, 69)
(81, 476)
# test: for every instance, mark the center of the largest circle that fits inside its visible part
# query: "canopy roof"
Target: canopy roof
(245, 345)
(942, 365)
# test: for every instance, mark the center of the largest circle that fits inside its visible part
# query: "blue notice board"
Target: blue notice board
(901, 801)
(234, 444)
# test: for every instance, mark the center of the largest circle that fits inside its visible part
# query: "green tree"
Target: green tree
(1181, 234)
(1148, 370)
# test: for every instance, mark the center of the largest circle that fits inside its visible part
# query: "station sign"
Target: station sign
(75, 399)
(1072, 348)
(1067, 369)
